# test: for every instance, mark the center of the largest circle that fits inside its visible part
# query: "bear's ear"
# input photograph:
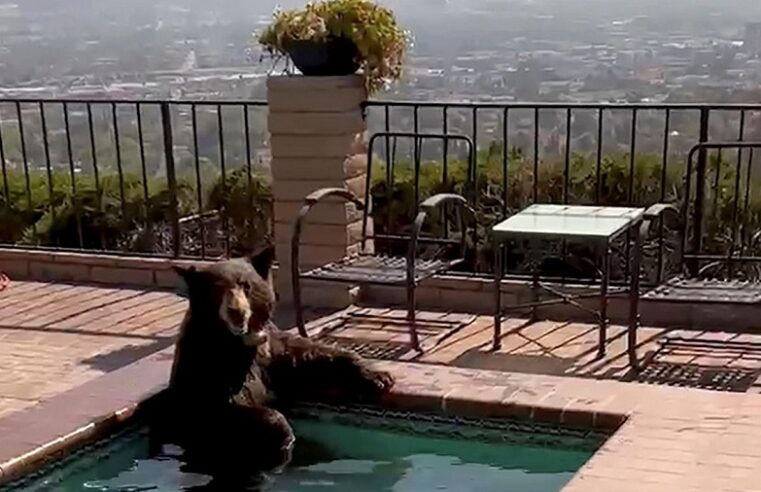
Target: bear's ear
(188, 274)
(263, 260)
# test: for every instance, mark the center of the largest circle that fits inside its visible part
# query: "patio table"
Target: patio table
(598, 225)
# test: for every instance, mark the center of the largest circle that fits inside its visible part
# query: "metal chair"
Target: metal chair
(695, 283)
(366, 267)
(705, 278)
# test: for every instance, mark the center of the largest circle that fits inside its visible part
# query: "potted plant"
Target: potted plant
(339, 37)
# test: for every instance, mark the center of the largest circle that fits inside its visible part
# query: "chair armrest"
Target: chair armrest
(323, 193)
(657, 210)
(655, 214)
(442, 198)
(309, 202)
(428, 205)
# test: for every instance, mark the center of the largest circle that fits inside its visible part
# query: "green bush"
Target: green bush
(45, 213)
(394, 209)
(136, 221)
(246, 207)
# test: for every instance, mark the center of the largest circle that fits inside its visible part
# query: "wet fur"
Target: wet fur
(225, 382)
(299, 369)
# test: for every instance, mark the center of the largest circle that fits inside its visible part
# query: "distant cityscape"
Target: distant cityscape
(97, 49)
(464, 50)
(524, 51)
(478, 50)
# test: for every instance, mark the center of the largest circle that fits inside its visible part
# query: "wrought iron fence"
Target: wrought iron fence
(190, 178)
(171, 178)
(578, 153)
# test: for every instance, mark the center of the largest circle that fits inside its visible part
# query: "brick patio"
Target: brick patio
(71, 354)
(56, 336)
(559, 348)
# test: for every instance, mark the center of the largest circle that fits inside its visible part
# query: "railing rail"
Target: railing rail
(632, 154)
(121, 175)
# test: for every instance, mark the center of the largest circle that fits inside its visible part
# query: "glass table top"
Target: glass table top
(568, 221)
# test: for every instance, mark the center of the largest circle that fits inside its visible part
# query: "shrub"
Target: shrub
(137, 223)
(246, 207)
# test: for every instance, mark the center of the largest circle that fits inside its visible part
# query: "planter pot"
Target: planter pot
(336, 56)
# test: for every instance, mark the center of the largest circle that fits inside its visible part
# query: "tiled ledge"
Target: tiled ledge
(452, 293)
(32, 437)
(476, 393)
(65, 266)
(673, 439)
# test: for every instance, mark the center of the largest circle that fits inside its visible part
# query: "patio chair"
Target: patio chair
(366, 267)
(694, 282)
(703, 278)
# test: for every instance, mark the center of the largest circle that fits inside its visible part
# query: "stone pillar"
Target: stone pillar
(318, 139)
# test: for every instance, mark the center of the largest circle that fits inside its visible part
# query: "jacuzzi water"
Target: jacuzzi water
(349, 451)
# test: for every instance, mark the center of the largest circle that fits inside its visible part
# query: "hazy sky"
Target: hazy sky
(740, 9)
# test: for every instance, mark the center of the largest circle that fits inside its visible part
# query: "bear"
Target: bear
(234, 371)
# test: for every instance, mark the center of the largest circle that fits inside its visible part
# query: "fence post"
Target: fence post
(700, 176)
(171, 176)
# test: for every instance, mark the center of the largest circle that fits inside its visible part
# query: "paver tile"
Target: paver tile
(57, 336)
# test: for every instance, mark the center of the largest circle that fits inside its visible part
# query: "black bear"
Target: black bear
(231, 363)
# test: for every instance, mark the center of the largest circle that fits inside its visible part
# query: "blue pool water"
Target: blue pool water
(343, 451)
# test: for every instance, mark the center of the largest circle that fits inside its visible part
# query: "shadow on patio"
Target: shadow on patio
(700, 359)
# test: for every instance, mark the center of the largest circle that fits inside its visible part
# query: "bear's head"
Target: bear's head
(235, 295)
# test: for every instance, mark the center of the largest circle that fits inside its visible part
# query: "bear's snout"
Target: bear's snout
(236, 312)
(237, 317)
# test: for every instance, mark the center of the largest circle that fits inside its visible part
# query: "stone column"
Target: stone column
(318, 139)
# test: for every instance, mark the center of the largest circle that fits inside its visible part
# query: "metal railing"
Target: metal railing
(170, 178)
(190, 178)
(576, 153)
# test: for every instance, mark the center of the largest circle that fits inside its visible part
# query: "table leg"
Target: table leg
(535, 262)
(628, 247)
(498, 273)
(534, 296)
(603, 335)
(634, 300)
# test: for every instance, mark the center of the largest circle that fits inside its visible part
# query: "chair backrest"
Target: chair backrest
(400, 205)
(721, 222)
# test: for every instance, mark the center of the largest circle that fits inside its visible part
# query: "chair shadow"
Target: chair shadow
(285, 319)
(544, 359)
(482, 357)
(124, 356)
